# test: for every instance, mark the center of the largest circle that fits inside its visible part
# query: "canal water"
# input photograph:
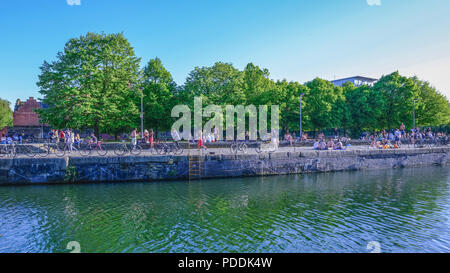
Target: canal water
(402, 210)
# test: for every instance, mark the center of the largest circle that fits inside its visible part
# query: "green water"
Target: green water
(405, 210)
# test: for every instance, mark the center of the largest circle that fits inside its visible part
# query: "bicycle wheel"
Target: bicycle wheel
(234, 148)
(60, 149)
(243, 148)
(272, 147)
(258, 149)
(153, 151)
(120, 149)
(43, 150)
(136, 149)
(160, 149)
(101, 151)
(177, 149)
(29, 150)
(85, 149)
(3, 150)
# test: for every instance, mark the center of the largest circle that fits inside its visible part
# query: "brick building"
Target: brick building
(26, 120)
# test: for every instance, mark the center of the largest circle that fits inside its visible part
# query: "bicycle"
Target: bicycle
(42, 149)
(163, 148)
(8, 149)
(88, 147)
(266, 146)
(238, 147)
(123, 148)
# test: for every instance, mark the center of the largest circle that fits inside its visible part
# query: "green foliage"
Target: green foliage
(432, 107)
(397, 95)
(159, 91)
(323, 104)
(6, 116)
(70, 174)
(88, 86)
(95, 81)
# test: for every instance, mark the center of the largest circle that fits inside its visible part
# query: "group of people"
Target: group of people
(68, 137)
(16, 138)
(6, 139)
(393, 138)
(332, 144)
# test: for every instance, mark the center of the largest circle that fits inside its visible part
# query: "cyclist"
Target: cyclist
(93, 138)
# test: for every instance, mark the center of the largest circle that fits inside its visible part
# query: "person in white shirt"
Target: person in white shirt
(175, 135)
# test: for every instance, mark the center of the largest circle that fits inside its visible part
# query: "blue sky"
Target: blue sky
(296, 40)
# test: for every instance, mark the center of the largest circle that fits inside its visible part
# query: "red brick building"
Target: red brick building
(24, 114)
(26, 120)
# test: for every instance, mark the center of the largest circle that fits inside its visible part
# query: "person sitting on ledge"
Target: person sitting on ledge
(322, 145)
(339, 146)
(331, 144)
(316, 145)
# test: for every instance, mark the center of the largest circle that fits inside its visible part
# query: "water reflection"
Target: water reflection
(406, 210)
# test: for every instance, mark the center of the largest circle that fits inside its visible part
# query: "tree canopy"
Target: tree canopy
(96, 81)
(6, 116)
(88, 86)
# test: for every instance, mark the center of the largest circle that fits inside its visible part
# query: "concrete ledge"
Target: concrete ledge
(22, 171)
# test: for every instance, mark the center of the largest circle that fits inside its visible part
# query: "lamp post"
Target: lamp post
(142, 113)
(414, 113)
(301, 132)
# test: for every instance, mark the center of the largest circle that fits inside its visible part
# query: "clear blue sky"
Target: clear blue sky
(296, 40)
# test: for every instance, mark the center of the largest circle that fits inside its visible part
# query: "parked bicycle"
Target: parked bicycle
(88, 147)
(124, 148)
(266, 146)
(163, 148)
(238, 146)
(8, 150)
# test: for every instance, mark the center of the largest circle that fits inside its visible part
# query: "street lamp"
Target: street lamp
(301, 132)
(414, 113)
(142, 113)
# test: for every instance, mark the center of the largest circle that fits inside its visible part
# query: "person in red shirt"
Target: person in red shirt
(200, 142)
(152, 138)
(62, 136)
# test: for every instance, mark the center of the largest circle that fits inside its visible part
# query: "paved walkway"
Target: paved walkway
(146, 152)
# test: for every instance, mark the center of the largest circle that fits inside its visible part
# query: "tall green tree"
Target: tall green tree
(323, 103)
(287, 97)
(6, 115)
(363, 107)
(432, 108)
(398, 93)
(159, 92)
(88, 86)
(219, 84)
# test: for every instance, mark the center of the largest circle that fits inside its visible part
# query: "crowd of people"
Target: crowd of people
(394, 138)
(384, 139)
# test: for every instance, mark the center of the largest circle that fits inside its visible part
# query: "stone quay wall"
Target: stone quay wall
(29, 171)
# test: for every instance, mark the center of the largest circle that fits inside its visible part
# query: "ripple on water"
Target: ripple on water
(406, 210)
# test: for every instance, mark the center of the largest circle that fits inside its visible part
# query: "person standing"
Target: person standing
(200, 142)
(175, 136)
(133, 137)
(70, 138)
(152, 138)
(62, 136)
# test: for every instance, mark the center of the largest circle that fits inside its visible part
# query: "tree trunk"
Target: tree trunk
(96, 131)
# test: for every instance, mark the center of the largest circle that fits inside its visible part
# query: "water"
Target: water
(404, 210)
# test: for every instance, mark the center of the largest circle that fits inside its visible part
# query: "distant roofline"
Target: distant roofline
(361, 77)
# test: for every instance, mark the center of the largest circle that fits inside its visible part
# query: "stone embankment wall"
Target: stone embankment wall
(153, 168)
